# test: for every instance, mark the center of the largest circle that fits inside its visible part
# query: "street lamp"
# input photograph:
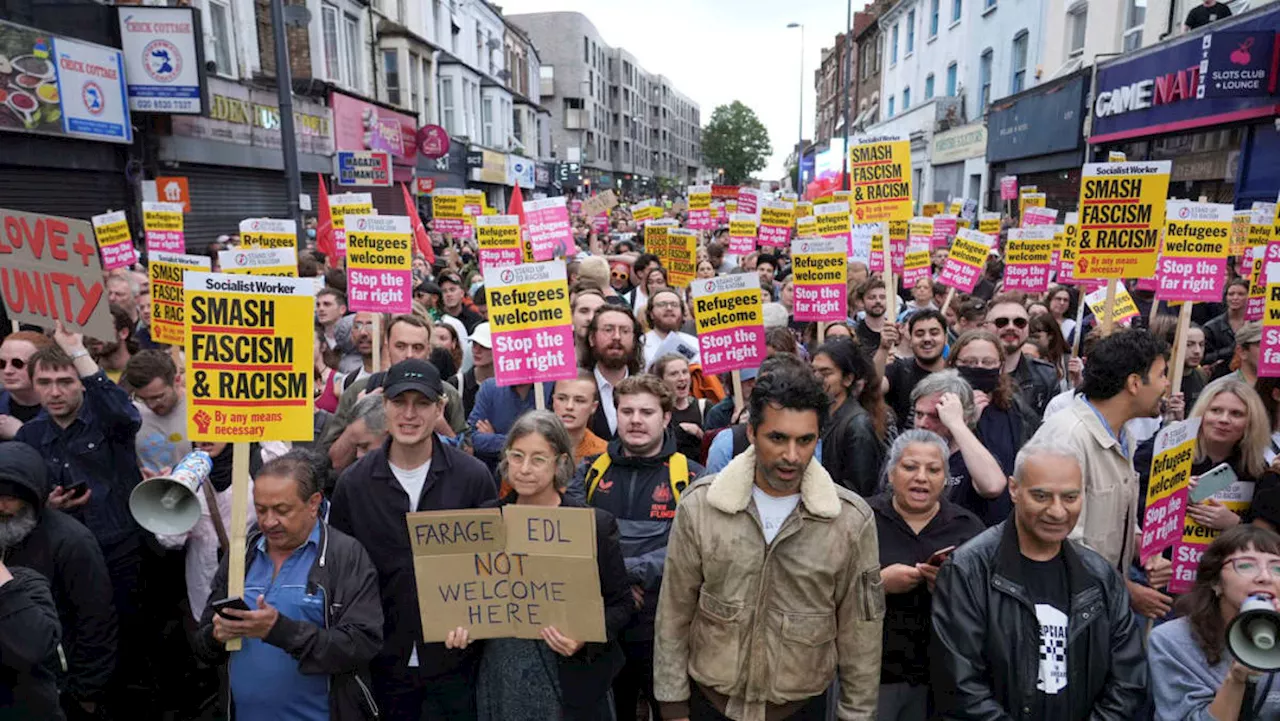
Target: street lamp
(800, 140)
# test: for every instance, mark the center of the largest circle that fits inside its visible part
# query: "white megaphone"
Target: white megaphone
(168, 505)
(1252, 635)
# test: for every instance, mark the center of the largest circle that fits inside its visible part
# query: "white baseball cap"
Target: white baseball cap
(481, 335)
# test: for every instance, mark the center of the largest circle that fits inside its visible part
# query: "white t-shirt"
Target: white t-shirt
(411, 480)
(773, 510)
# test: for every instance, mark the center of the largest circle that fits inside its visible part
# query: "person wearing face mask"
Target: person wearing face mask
(1193, 674)
(1003, 412)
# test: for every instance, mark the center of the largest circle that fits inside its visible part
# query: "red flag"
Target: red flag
(325, 242)
(420, 236)
(515, 207)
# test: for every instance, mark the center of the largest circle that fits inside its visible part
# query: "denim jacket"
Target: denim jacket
(96, 449)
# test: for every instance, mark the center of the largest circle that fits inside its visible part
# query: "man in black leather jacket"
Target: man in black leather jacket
(1029, 625)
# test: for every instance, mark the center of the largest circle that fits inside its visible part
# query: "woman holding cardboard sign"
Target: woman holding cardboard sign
(557, 677)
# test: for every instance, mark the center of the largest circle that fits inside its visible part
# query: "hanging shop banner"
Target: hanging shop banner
(776, 219)
(966, 261)
(698, 216)
(379, 264)
(1166, 504)
(448, 212)
(1122, 312)
(916, 265)
(550, 234)
(273, 232)
(281, 262)
(161, 66)
(729, 318)
(90, 89)
(162, 226)
(50, 271)
(681, 259)
(531, 323)
(880, 171)
(820, 272)
(498, 240)
(742, 234)
(1121, 216)
(249, 357)
(114, 241)
(342, 205)
(1197, 238)
(165, 272)
(363, 168)
(1028, 259)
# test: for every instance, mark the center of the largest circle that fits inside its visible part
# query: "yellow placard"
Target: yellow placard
(162, 219)
(803, 209)
(880, 171)
(250, 357)
(164, 271)
(744, 227)
(1239, 231)
(681, 259)
(967, 250)
(447, 205)
(1122, 207)
(655, 237)
(268, 233)
(507, 306)
(781, 217)
(989, 223)
(1123, 309)
(1029, 200)
(700, 200)
(832, 220)
(113, 233)
(956, 207)
(806, 226)
(929, 210)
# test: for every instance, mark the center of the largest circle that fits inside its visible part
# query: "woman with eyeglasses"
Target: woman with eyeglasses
(1193, 674)
(556, 677)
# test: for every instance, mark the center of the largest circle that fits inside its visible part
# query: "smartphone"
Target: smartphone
(77, 490)
(1216, 479)
(234, 602)
(939, 556)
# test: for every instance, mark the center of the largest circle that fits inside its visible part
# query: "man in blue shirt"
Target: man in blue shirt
(316, 618)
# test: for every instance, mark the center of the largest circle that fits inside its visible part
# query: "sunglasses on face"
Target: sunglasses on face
(18, 364)
(1017, 322)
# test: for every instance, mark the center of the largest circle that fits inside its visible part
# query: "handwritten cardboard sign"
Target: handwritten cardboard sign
(50, 271)
(508, 572)
(597, 204)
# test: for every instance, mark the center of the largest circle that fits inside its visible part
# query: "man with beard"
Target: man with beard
(65, 552)
(358, 364)
(454, 305)
(639, 479)
(927, 330)
(112, 355)
(613, 352)
(874, 305)
(1126, 377)
(19, 401)
(1038, 380)
(665, 313)
(772, 583)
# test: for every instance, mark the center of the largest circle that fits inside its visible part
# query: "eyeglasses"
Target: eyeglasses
(1251, 568)
(536, 462)
(18, 364)
(1002, 322)
(667, 304)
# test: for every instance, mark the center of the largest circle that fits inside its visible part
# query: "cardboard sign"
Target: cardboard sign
(742, 234)
(966, 261)
(249, 357)
(1193, 264)
(1166, 502)
(448, 212)
(916, 263)
(162, 227)
(989, 223)
(508, 572)
(261, 261)
(1122, 312)
(342, 205)
(114, 241)
(1121, 216)
(531, 323)
(599, 203)
(681, 259)
(50, 271)
(379, 264)
(498, 240)
(776, 219)
(363, 168)
(1028, 259)
(819, 270)
(549, 229)
(729, 317)
(270, 233)
(1009, 187)
(1188, 549)
(880, 171)
(164, 271)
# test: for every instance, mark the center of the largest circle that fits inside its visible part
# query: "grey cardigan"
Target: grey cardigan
(1183, 682)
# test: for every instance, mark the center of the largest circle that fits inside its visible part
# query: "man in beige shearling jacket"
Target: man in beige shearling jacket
(772, 579)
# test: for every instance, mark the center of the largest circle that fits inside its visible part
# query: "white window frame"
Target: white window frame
(1077, 25)
(391, 72)
(1132, 35)
(953, 78)
(415, 84)
(445, 92)
(911, 33)
(935, 17)
(486, 121)
(351, 50)
(1018, 74)
(986, 71)
(929, 83)
(217, 44)
(331, 15)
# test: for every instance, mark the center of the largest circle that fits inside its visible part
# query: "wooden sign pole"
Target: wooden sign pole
(377, 342)
(946, 303)
(1079, 329)
(539, 397)
(1180, 347)
(1109, 308)
(236, 534)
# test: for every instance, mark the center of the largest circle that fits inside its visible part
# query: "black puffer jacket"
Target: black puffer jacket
(65, 552)
(986, 644)
(851, 452)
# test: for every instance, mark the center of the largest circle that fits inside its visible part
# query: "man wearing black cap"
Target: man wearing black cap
(451, 286)
(66, 553)
(412, 471)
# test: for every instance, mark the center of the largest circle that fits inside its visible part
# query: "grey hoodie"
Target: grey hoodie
(1184, 683)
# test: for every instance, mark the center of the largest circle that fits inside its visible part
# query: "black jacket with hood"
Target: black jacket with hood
(28, 647)
(62, 550)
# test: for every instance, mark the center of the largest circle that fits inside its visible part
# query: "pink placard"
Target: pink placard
(1031, 278)
(166, 241)
(538, 354)
(1009, 187)
(600, 223)
(774, 236)
(828, 303)
(120, 255)
(699, 220)
(897, 254)
(1150, 284)
(748, 200)
(944, 229)
(722, 351)
(575, 206)
(549, 229)
(741, 245)
(1191, 279)
(456, 227)
(1186, 561)
(379, 291)
(1162, 523)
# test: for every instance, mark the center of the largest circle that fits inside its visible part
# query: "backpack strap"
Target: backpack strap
(596, 472)
(678, 467)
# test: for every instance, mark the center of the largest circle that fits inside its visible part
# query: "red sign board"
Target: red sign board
(432, 141)
(424, 186)
(724, 191)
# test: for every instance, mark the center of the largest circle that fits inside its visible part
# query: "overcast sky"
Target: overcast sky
(716, 51)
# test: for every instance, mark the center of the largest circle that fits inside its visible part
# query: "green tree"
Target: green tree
(736, 141)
